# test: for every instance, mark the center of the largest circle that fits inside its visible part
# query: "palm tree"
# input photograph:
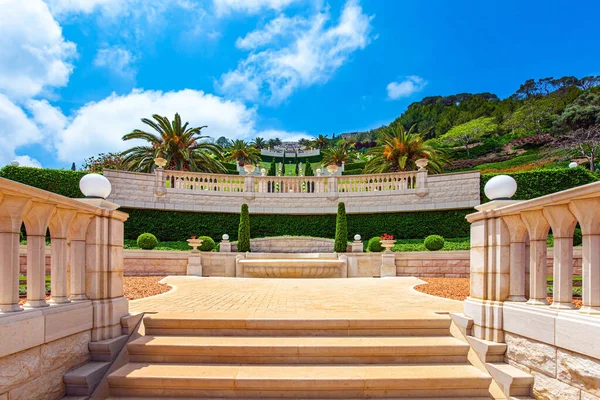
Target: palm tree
(183, 147)
(342, 152)
(397, 150)
(321, 142)
(243, 153)
(259, 143)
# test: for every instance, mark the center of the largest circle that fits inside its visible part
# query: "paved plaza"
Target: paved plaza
(295, 297)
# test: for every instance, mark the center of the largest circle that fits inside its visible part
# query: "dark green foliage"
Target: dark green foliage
(577, 237)
(532, 184)
(178, 226)
(311, 159)
(147, 241)
(231, 168)
(272, 169)
(355, 165)
(308, 171)
(352, 171)
(207, 243)
(341, 229)
(60, 181)
(244, 230)
(374, 245)
(434, 242)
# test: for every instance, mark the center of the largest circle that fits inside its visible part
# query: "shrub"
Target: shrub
(63, 182)
(244, 230)
(577, 237)
(208, 244)
(352, 172)
(147, 241)
(434, 242)
(374, 245)
(341, 229)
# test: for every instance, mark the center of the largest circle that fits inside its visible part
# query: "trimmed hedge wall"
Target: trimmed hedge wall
(352, 172)
(291, 156)
(532, 184)
(61, 181)
(178, 226)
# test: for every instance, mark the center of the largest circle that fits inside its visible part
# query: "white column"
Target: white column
(518, 257)
(59, 279)
(538, 228)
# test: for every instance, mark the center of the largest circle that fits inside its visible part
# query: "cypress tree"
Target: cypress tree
(341, 229)
(244, 230)
(283, 165)
(308, 171)
(297, 166)
(272, 168)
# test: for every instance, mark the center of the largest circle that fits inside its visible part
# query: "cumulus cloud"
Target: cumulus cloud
(117, 60)
(27, 161)
(224, 7)
(34, 53)
(316, 50)
(405, 88)
(281, 26)
(16, 129)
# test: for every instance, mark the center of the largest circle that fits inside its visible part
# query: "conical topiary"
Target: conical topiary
(341, 229)
(244, 230)
(272, 168)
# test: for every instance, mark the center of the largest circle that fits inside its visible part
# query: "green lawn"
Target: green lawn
(290, 169)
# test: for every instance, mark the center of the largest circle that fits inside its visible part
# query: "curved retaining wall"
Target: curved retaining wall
(289, 244)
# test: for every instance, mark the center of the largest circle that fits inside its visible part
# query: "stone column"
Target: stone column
(59, 230)
(159, 182)
(388, 264)
(538, 228)
(588, 215)
(194, 266)
(77, 258)
(519, 257)
(422, 189)
(36, 223)
(12, 209)
(563, 224)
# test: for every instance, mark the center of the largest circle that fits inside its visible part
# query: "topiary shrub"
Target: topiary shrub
(374, 245)
(434, 242)
(577, 237)
(147, 241)
(208, 244)
(341, 229)
(244, 230)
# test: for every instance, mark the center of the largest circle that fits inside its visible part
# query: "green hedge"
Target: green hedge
(178, 226)
(352, 172)
(355, 165)
(63, 182)
(290, 156)
(532, 184)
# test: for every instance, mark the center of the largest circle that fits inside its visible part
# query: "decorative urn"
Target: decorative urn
(194, 243)
(249, 168)
(160, 162)
(332, 168)
(387, 242)
(263, 171)
(422, 163)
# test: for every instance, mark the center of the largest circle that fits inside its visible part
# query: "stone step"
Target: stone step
(107, 350)
(298, 350)
(306, 381)
(317, 398)
(512, 381)
(406, 324)
(83, 380)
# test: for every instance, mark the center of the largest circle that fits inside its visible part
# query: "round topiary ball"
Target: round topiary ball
(374, 245)
(434, 242)
(207, 243)
(147, 241)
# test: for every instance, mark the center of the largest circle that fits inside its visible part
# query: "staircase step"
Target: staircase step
(512, 381)
(355, 325)
(306, 381)
(298, 350)
(83, 380)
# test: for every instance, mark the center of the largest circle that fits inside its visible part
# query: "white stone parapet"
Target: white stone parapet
(393, 192)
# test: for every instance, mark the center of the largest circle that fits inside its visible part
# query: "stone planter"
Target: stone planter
(387, 245)
(194, 243)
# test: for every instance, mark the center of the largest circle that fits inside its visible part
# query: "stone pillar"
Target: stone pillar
(225, 246)
(388, 264)
(59, 230)
(12, 209)
(538, 228)
(563, 224)
(36, 223)
(159, 182)
(77, 255)
(519, 257)
(248, 183)
(194, 266)
(587, 212)
(422, 189)
(332, 184)
(357, 246)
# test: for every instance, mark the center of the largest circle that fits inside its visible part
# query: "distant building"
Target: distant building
(349, 135)
(290, 149)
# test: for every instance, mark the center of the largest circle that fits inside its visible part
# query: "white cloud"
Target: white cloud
(27, 161)
(405, 88)
(34, 53)
(314, 54)
(224, 7)
(280, 26)
(118, 60)
(16, 130)
(283, 135)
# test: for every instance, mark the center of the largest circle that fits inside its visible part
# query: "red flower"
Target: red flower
(193, 237)
(385, 236)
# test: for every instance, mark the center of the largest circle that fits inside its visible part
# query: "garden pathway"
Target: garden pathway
(294, 297)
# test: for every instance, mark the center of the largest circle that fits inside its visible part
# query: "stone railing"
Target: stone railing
(86, 277)
(193, 181)
(508, 296)
(381, 182)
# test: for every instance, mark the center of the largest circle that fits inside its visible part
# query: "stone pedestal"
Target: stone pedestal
(194, 266)
(357, 246)
(388, 265)
(225, 246)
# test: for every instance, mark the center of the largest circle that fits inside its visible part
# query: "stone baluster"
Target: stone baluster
(36, 223)
(59, 230)
(519, 257)
(77, 258)
(587, 212)
(563, 224)
(12, 209)
(538, 228)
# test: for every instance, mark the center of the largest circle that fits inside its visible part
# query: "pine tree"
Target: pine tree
(341, 229)
(244, 230)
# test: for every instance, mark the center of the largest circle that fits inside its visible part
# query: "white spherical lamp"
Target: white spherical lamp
(573, 164)
(95, 186)
(357, 238)
(225, 237)
(501, 187)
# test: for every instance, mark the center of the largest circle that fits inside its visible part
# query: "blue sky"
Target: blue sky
(76, 75)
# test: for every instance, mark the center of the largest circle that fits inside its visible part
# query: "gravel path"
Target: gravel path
(138, 287)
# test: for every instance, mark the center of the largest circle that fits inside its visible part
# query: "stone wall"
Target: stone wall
(290, 244)
(442, 192)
